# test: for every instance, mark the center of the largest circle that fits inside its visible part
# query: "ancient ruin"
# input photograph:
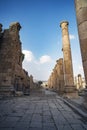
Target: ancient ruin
(56, 80)
(79, 82)
(81, 14)
(68, 69)
(62, 79)
(13, 77)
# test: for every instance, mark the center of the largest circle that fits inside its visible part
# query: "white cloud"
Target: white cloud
(40, 69)
(45, 59)
(72, 37)
(28, 55)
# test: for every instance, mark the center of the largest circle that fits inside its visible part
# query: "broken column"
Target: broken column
(81, 13)
(68, 69)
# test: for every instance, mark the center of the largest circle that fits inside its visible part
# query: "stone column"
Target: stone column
(68, 69)
(55, 78)
(31, 82)
(52, 83)
(81, 13)
(60, 75)
(75, 82)
(79, 81)
(52, 80)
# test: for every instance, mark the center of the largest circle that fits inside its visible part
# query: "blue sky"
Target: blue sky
(41, 35)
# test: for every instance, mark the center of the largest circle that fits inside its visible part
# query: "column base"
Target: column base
(70, 92)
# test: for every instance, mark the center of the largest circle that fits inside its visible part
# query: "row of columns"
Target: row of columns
(81, 14)
(62, 79)
(56, 80)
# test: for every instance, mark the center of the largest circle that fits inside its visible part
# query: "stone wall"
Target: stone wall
(12, 75)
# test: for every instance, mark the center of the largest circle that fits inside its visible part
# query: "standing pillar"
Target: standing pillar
(81, 13)
(31, 82)
(79, 81)
(60, 76)
(68, 69)
(55, 78)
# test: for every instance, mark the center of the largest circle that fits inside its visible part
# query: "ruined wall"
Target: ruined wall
(12, 75)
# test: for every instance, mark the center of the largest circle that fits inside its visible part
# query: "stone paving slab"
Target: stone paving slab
(36, 112)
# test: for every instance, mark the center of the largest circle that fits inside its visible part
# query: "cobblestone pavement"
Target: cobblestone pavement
(40, 112)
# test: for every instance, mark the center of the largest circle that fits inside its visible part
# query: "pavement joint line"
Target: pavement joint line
(52, 117)
(79, 111)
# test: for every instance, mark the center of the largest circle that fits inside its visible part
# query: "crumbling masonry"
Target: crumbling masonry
(13, 77)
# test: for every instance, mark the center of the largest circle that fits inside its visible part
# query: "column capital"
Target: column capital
(63, 23)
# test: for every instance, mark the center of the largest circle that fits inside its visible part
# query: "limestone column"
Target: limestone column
(79, 81)
(31, 82)
(68, 69)
(81, 13)
(61, 75)
(52, 81)
(55, 78)
(51, 84)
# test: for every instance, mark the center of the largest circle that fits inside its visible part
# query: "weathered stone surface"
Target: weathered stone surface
(81, 14)
(56, 79)
(31, 82)
(60, 73)
(68, 68)
(12, 76)
(39, 112)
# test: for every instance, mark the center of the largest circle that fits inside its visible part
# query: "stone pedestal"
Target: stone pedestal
(68, 69)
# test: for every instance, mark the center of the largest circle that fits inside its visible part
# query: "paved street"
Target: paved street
(44, 111)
